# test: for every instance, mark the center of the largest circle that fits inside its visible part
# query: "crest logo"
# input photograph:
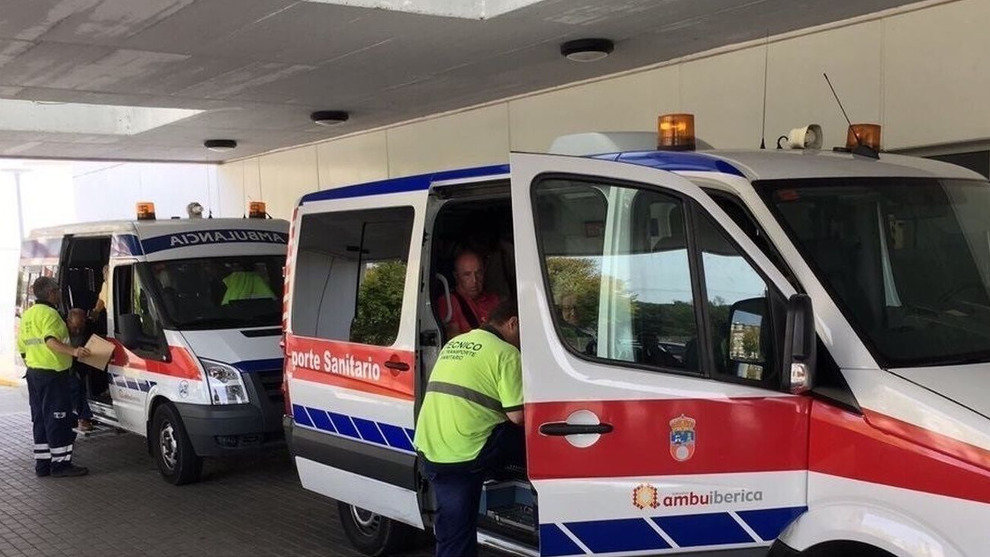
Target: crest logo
(682, 438)
(184, 389)
(645, 495)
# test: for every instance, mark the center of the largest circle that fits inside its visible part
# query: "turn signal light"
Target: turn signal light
(868, 134)
(257, 210)
(145, 210)
(675, 132)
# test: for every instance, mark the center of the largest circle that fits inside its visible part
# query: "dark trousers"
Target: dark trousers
(458, 489)
(51, 414)
(77, 390)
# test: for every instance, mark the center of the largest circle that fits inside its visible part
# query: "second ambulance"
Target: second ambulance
(192, 307)
(780, 352)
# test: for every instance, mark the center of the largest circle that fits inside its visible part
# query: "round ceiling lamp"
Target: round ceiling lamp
(586, 50)
(329, 117)
(220, 145)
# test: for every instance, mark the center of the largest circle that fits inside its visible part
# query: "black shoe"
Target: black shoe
(42, 472)
(70, 471)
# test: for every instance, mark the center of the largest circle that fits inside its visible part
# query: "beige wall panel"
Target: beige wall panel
(628, 103)
(937, 74)
(353, 160)
(725, 94)
(285, 177)
(230, 189)
(473, 138)
(797, 94)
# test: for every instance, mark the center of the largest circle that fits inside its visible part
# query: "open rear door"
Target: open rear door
(350, 342)
(650, 331)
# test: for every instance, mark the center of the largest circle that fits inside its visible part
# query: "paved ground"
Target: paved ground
(248, 506)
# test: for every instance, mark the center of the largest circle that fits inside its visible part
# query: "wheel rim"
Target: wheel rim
(367, 522)
(168, 445)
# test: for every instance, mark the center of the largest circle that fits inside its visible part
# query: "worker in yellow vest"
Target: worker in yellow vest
(245, 285)
(43, 342)
(468, 426)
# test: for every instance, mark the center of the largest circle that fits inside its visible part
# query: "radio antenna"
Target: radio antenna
(863, 150)
(766, 63)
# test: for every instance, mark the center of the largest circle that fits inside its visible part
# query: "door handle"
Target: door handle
(397, 366)
(564, 428)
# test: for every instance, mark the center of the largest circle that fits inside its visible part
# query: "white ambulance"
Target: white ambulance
(781, 352)
(194, 310)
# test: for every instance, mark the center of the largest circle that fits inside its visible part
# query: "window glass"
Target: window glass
(616, 262)
(350, 275)
(739, 318)
(220, 292)
(907, 260)
(132, 298)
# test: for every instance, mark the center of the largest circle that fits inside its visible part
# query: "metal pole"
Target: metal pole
(20, 207)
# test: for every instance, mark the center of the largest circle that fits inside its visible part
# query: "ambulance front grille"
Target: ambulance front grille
(271, 384)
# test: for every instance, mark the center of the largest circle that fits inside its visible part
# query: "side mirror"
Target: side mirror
(799, 345)
(129, 328)
(747, 319)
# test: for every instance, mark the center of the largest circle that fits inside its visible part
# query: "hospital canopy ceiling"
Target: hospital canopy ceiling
(150, 80)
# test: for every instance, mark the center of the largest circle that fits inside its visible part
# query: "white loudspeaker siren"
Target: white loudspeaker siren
(807, 137)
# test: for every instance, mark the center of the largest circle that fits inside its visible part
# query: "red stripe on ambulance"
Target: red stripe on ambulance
(182, 364)
(731, 436)
(852, 446)
(370, 369)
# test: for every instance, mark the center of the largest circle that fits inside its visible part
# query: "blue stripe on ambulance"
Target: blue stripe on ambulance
(406, 184)
(131, 384)
(376, 433)
(661, 160)
(124, 245)
(691, 530)
(211, 237)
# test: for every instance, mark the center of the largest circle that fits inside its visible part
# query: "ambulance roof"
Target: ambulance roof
(770, 164)
(150, 228)
(168, 239)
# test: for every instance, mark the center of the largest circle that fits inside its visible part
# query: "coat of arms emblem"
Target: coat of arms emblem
(682, 438)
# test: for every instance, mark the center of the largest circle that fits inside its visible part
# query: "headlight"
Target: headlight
(225, 382)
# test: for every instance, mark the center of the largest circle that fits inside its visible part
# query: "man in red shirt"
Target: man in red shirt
(471, 304)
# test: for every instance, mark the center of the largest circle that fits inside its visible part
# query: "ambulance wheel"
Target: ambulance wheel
(373, 534)
(174, 453)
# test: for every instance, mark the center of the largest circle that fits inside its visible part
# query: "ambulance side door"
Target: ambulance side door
(353, 274)
(130, 380)
(650, 323)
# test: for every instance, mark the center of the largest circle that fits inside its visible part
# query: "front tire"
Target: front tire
(373, 534)
(174, 454)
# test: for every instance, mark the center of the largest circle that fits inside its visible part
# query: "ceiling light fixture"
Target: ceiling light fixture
(329, 117)
(586, 50)
(220, 145)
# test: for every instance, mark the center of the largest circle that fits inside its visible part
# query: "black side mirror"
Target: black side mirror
(129, 330)
(799, 345)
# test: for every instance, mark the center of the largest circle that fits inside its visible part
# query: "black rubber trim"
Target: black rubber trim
(270, 332)
(378, 463)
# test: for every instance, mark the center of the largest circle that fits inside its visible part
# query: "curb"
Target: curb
(5, 382)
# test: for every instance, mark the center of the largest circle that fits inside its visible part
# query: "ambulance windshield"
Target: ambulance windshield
(906, 259)
(220, 292)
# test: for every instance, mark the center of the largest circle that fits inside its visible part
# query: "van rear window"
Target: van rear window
(350, 273)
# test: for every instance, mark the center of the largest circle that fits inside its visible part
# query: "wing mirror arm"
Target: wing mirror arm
(800, 342)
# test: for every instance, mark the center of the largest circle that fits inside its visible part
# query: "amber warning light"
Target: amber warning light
(257, 210)
(675, 132)
(145, 211)
(863, 134)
